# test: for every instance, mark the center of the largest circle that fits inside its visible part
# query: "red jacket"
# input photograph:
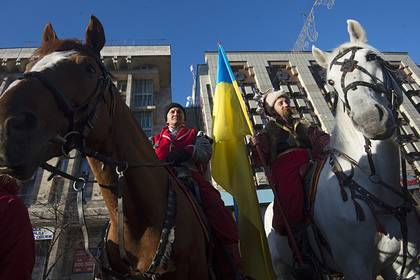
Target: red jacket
(17, 248)
(186, 138)
(163, 143)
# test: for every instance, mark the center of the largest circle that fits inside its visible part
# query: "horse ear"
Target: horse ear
(48, 34)
(320, 57)
(356, 31)
(95, 35)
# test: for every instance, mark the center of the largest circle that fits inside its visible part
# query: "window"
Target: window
(145, 120)
(244, 74)
(142, 92)
(280, 74)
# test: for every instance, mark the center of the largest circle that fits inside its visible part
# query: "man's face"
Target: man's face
(282, 108)
(175, 117)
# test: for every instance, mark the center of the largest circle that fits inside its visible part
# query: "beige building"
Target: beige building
(300, 76)
(143, 77)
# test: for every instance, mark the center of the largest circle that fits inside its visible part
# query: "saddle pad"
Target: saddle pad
(311, 185)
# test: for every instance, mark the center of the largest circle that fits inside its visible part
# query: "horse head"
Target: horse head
(60, 95)
(364, 83)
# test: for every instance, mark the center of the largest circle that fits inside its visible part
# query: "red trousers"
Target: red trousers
(17, 251)
(287, 186)
(222, 223)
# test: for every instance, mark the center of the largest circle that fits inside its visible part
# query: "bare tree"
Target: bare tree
(52, 216)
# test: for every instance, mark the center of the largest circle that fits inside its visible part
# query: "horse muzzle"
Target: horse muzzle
(16, 133)
(377, 123)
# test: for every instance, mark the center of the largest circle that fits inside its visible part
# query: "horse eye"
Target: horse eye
(370, 57)
(331, 82)
(90, 69)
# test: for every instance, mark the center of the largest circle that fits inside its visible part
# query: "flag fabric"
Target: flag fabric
(231, 169)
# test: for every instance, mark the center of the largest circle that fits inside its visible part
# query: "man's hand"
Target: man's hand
(254, 140)
(178, 156)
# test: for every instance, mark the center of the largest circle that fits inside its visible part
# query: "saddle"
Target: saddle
(191, 189)
(311, 174)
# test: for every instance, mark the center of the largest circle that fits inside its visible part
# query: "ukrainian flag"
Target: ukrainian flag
(231, 169)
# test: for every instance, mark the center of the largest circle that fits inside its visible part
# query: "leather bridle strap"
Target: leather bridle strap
(65, 104)
(62, 100)
(358, 192)
(350, 64)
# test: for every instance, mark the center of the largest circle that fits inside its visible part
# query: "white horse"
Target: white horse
(351, 217)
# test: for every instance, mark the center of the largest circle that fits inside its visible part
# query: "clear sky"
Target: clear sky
(194, 26)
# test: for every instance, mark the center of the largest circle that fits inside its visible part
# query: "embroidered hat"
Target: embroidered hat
(270, 98)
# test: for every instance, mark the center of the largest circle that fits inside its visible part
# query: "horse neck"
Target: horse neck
(145, 188)
(385, 153)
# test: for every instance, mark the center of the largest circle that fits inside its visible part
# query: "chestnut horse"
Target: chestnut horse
(66, 91)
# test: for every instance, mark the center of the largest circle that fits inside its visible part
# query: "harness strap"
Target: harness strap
(377, 179)
(164, 249)
(399, 212)
(56, 171)
(120, 221)
(61, 99)
(368, 151)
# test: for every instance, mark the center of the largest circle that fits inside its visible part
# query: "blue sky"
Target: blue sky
(192, 27)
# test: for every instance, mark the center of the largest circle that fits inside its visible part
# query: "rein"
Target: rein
(75, 139)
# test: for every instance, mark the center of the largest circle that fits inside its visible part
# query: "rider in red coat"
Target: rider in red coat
(190, 151)
(17, 248)
(285, 147)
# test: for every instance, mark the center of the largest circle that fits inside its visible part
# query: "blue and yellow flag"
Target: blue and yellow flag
(231, 169)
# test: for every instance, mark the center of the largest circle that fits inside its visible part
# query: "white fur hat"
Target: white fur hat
(271, 97)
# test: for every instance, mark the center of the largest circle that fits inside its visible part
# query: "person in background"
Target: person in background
(17, 246)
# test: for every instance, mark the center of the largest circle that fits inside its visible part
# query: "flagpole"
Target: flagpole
(292, 239)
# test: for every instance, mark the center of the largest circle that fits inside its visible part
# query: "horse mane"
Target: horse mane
(63, 45)
(66, 45)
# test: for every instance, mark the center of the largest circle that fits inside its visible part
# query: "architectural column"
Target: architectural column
(128, 91)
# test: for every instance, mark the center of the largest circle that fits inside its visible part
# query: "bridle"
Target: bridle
(76, 132)
(390, 88)
(75, 138)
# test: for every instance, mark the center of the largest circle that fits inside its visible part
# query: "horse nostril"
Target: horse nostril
(381, 112)
(24, 122)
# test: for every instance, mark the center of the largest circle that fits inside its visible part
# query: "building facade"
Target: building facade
(311, 97)
(142, 75)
